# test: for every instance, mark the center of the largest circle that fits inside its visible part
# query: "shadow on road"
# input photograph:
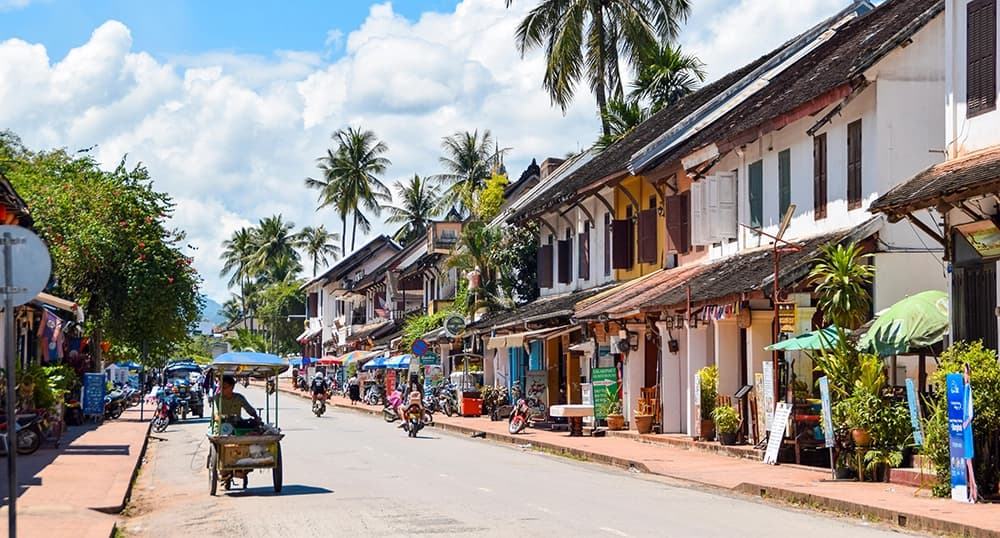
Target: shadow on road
(286, 491)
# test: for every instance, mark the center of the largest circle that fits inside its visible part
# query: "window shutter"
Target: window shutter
(313, 305)
(607, 244)
(819, 176)
(535, 361)
(711, 208)
(728, 201)
(565, 261)
(621, 241)
(584, 253)
(648, 239)
(545, 266)
(756, 174)
(784, 182)
(698, 231)
(854, 164)
(675, 223)
(980, 55)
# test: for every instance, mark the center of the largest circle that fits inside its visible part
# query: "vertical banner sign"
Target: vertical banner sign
(824, 394)
(956, 442)
(93, 394)
(758, 388)
(911, 399)
(390, 380)
(587, 398)
(768, 394)
(605, 382)
(696, 420)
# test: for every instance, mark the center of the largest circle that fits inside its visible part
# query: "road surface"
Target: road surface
(348, 474)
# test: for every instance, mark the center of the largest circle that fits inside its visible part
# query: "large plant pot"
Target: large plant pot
(616, 422)
(644, 423)
(844, 473)
(861, 437)
(707, 429)
(727, 438)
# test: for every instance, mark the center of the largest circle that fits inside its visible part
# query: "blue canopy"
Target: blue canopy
(129, 364)
(375, 364)
(398, 362)
(295, 362)
(249, 363)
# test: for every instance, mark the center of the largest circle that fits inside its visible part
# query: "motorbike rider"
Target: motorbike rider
(318, 386)
(396, 401)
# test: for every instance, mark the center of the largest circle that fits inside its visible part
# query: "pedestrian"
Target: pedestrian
(353, 390)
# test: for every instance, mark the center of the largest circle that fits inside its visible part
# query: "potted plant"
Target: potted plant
(879, 460)
(727, 423)
(708, 381)
(643, 417)
(611, 408)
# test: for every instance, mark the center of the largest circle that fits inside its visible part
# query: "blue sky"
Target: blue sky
(192, 26)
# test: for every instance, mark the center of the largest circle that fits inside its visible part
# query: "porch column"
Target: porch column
(758, 335)
(671, 391)
(699, 355)
(727, 355)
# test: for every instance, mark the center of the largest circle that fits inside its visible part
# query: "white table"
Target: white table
(575, 414)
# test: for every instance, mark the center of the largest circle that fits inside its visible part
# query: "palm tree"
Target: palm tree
(236, 252)
(358, 161)
(319, 244)
(586, 38)
(468, 161)
(842, 279)
(232, 311)
(665, 75)
(274, 247)
(477, 250)
(419, 203)
(328, 195)
(621, 117)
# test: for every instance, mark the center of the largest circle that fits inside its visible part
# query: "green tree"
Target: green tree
(419, 203)
(665, 75)
(232, 310)
(584, 39)
(469, 160)
(842, 279)
(491, 198)
(320, 245)
(245, 340)
(517, 256)
(274, 253)
(621, 117)
(476, 250)
(236, 253)
(279, 301)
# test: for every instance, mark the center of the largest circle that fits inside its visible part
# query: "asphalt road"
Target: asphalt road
(348, 474)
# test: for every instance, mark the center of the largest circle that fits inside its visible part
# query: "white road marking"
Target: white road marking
(487, 490)
(616, 532)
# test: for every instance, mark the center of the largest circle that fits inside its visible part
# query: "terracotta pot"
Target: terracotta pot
(616, 422)
(861, 437)
(707, 429)
(644, 423)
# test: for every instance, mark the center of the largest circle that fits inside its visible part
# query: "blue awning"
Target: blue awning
(398, 362)
(375, 364)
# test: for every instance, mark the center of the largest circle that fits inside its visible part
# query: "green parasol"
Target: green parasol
(918, 321)
(810, 341)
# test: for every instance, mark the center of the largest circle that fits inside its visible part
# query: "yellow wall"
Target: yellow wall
(641, 190)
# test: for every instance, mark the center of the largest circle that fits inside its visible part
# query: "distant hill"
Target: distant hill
(210, 314)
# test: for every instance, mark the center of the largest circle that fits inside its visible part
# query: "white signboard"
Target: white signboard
(768, 394)
(777, 432)
(587, 394)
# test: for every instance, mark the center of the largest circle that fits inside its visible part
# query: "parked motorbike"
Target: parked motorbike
(161, 417)
(519, 417)
(446, 400)
(114, 404)
(302, 382)
(28, 432)
(73, 414)
(374, 395)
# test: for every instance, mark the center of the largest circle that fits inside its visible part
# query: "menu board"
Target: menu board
(605, 382)
(777, 432)
(93, 394)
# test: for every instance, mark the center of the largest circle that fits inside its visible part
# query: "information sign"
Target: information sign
(955, 386)
(787, 316)
(911, 400)
(429, 358)
(605, 383)
(93, 394)
(768, 394)
(824, 394)
(777, 432)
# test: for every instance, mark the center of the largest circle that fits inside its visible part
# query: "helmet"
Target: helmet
(319, 375)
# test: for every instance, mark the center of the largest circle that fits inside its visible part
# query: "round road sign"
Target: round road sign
(454, 325)
(31, 264)
(419, 347)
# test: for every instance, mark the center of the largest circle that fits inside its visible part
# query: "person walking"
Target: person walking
(353, 390)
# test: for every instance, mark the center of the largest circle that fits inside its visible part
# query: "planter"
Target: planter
(861, 437)
(707, 429)
(616, 422)
(644, 423)
(727, 438)
(844, 473)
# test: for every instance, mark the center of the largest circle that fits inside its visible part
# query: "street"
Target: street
(351, 474)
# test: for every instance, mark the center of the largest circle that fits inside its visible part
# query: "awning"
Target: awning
(398, 362)
(518, 339)
(308, 334)
(357, 356)
(375, 364)
(61, 304)
(329, 360)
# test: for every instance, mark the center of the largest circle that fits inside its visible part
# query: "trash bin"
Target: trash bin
(472, 407)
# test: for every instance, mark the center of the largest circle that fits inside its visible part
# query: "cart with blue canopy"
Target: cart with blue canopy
(238, 448)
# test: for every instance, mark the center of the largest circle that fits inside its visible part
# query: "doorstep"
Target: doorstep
(684, 441)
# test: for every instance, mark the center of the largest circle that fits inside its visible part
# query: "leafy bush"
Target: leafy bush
(708, 377)
(727, 419)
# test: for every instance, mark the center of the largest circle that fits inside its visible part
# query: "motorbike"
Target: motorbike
(319, 404)
(28, 433)
(301, 382)
(114, 404)
(446, 400)
(414, 419)
(73, 413)
(519, 417)
(374, 395)
(161, 416)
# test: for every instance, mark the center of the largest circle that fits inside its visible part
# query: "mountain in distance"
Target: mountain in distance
(210, 314)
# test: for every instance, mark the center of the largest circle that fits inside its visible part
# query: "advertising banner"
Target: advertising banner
(93, 394)
(911, 400)
(605, 382)
(824, 394)
(956, 436)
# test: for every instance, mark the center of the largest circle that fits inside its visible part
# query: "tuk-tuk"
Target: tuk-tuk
(237, 448)
(183, 377)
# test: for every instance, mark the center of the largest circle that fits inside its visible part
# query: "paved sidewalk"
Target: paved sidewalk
(78, 489)
(901, 505)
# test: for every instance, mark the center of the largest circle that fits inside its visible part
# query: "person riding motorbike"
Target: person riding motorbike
(396, 401)
(318, 387)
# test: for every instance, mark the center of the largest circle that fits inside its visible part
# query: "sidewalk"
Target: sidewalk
(904, 506)
(78, 489)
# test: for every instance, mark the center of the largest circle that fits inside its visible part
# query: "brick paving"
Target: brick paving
(77, 490)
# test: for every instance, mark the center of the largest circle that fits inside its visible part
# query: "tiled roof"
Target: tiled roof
(345, 265)
(751, 271)
(625, 300)
(543, 308)
(957, 179)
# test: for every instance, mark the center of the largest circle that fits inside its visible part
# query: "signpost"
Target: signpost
(777, 432)
(428, 359)
(454, 325)
(605, 383)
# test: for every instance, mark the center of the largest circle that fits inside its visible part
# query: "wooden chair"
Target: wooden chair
(650, 398)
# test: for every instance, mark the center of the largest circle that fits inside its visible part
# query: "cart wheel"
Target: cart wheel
(276, 473)
(228, 484)
(213, 471)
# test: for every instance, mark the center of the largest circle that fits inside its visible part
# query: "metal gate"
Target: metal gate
(975, 291)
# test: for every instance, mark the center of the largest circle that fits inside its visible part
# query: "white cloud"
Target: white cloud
(13, 5)
(232, 136)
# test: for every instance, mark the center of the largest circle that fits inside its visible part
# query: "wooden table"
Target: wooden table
(575, 414)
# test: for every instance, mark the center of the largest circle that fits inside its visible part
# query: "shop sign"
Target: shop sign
(429, 358)
(605, 383)
(824, 394)
(433, 377)
(911, 400)
(777, 432)
(454, 325)
(768, 394)
(390, 380)
(787, 315)
(93, 394)
(957, 435)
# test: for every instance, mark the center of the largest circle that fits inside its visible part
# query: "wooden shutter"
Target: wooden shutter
(728, 225)
(756, 174)
(648, 240)
(545, 266)
(584, 252)
(980, 55)
(698, 228)
(314, 305)
(565, 253)
(784, 182)
(607, 244)
(854, 164)
(819, 176)
(678, 222)
(621, 241)
(711, 208)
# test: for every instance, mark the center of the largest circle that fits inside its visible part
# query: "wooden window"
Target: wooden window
(565, 253)
(313, 305)
(679, 223)
(607, 244)
(648, 240)
(756, 173)
(545, 266)
(854, 164)
(819, 176)
(784, 182)
(980, 56)
(621, 244)
(584, 252)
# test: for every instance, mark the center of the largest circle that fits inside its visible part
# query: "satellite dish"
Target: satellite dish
(30, 264)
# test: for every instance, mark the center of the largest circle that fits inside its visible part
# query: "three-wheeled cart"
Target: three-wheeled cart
(234, 452)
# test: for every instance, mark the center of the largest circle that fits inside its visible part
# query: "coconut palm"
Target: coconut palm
(358, 160)
(842, 279)
(320, 245)
(232, 311)
(477, 250)
(665, 75)
(419, 203)
(328, 195)
(274, 248)
(468, 160)
(586, 38)
(236, 252)
(621, 117)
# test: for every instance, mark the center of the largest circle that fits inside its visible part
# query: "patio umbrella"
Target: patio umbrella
(375, 364)
(329, 360)
(398, 362)
(810, 341)
(918, 321)
(355, 356)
